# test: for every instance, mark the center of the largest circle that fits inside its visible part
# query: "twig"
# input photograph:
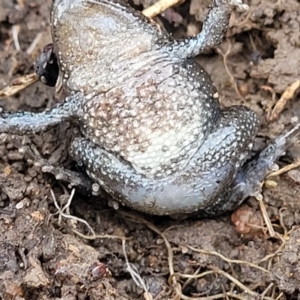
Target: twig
(101, 236)
(34, 43)
(225, 57)
(279, 296)
(285, 169)
(15, 33)
(193, 276)
(267, 257)
(235, 281)
(228, 260)
(287, 95)
(61, 214)
(18, 85)
(159, 7)
(131, 268)
(259, 198)
(246, 20)
(270, 90)
(269, 105)
(267, 289)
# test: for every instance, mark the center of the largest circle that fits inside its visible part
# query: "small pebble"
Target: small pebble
(20, 205)
(270, 184)
(295, 120)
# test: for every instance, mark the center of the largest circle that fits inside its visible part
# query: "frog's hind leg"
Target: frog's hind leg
(120, 180)
(224, 152)
(192, 189)
(29, 123)
(249, 178)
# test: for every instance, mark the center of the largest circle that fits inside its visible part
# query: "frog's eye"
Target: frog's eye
(46, 66)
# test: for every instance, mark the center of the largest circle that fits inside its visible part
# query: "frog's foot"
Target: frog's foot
(46, 66)
(214, 28)
(248, 181)
(29, 123)
(73, 179)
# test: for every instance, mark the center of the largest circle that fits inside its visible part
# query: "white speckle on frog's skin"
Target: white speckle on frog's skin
(153, 134)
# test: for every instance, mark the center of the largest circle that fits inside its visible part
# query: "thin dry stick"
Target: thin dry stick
(18, 85)
(224, 291)
(259, 198)
(194, 276)
(285, 169)
(94, 236)
(228, 294)
(287, 95)
(158, 7)
(218, 296)
(247, 20)
(267, 289)
(225, 57)
(285, 231)
(101, 236)
(270, 90)
(138, 280)
(15, 35)
(61, 211)
(280, 237)
(228, 260)
(155, 229)
(279, 296)
(235, 281)
(34, 43)
(269, 256)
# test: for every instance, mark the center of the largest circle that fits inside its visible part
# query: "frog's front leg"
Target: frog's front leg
(214, 28)
(29, 123)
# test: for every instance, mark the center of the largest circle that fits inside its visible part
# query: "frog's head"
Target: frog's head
(114, 15)
(90, 35)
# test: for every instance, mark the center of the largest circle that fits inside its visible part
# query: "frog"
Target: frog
(153, 134)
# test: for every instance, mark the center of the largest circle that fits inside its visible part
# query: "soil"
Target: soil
(43, 256)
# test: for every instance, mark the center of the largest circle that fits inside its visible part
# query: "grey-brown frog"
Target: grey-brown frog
(154, 136)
